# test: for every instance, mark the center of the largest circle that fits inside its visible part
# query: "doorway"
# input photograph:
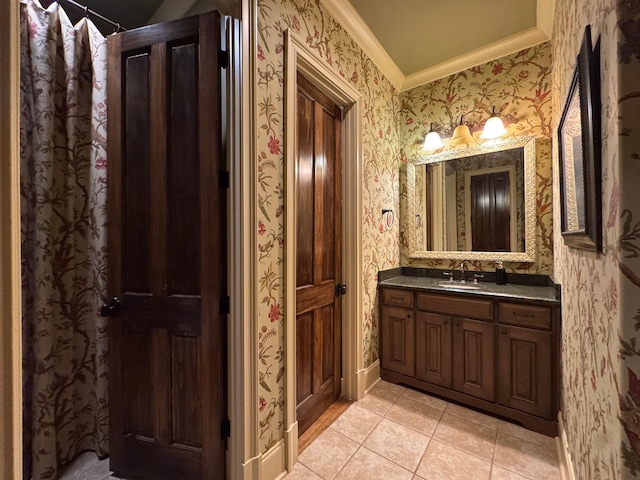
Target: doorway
(301, 59)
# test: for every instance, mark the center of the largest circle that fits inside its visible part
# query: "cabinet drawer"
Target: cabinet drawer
(524, 315)
(458, 306)
(400, 298)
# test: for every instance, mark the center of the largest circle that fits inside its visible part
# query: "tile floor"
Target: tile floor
(395, 433)
(398, 433)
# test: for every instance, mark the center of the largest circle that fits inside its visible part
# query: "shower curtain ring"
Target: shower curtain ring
(86, 11)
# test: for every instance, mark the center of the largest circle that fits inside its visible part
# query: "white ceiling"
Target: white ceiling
(417, 41)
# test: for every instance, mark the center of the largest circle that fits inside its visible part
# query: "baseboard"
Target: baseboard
(371, 376)
(250, 470)
(273, 462)
(291, 441)
(566, 465)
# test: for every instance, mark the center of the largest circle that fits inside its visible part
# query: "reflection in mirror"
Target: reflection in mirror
(477, 203)
(482, 203)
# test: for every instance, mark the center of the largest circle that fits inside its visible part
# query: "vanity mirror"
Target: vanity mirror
(474, 204)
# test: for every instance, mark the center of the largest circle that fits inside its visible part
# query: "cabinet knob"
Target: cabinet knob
(504, 331)
(408, 315)
(446, 322)
(457, 323)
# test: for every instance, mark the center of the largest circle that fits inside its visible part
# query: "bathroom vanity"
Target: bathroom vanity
(491, 347)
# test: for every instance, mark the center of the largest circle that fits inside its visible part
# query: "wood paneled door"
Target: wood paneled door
(167, 252)
(318, 262)
(491, 212)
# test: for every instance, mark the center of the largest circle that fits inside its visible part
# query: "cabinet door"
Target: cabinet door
(398, 340)
(473, 358)
(433, 348)
(524, 359)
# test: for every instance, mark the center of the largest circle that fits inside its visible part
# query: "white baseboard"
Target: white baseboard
(250, 469)
(371, 376)
(291, 441)
(566, 464)
(273, 462)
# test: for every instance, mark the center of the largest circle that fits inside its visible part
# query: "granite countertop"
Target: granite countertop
(523, 292)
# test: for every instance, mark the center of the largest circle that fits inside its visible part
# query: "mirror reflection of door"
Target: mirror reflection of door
(489, 211)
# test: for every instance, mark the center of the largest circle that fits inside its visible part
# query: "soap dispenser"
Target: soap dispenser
(501, 274)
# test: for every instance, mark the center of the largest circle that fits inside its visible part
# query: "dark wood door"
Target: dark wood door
(167, 251)
(398, 340)
(318, 262)
(433, 348)
(473, 358)
(524, 370)
(491, 212)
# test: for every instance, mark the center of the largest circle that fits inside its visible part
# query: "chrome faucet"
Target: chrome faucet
(462, 279)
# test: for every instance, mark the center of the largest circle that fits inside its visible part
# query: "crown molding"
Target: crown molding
(348, 17)
(501, 48)
(545, 10)
(353, 23)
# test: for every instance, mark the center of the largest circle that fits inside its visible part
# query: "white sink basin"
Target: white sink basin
(462, 286)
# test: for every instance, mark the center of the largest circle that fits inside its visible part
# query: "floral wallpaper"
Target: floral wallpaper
(601, 301)
(518, 86)
(311, 22)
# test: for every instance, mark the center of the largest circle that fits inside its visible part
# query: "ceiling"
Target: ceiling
(412, 41)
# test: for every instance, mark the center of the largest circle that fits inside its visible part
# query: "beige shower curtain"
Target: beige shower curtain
(63, 221)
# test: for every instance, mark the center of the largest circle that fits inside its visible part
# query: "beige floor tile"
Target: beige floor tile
(472, 416)
(415, 415)
(381, 397)
(300, 472)
(356, 423)
(530, 459)
(398, 443)
(368, 465)
(528, 435)
(465, 435)
(420, 397)
(444, 462)
(499, 473)
(328, 454)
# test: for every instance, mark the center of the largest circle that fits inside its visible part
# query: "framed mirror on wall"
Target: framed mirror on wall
(580, 153)
(474, 204)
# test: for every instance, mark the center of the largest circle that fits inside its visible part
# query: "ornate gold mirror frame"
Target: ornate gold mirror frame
(528, 255)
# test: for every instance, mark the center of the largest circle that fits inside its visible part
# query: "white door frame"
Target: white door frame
(300, 58)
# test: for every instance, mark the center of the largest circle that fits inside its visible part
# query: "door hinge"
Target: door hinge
(225, 305)
(226, 428)
(224, 58)
(224, 179)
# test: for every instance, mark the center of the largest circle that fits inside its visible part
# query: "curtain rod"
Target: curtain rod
(88, 11)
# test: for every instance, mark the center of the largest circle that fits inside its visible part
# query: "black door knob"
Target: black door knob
(111, 308)
(341, 289)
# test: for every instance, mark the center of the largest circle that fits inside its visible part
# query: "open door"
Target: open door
(319, 254)
(167, 251)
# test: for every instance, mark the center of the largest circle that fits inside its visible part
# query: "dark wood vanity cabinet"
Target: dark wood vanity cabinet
(473, 354)
(398, 348)
(486, 352)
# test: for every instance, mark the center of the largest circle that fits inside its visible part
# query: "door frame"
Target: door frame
(10, 294)
(300, 58)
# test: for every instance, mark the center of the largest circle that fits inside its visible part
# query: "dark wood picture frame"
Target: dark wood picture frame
(580, 153)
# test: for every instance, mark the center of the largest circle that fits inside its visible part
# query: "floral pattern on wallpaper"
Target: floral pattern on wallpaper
(63, 186)
(311, 22)
(593, 295)
(629, 234)
(518, 86)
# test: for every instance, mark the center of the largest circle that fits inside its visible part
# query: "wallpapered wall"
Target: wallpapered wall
(519, 87)
(312, 23)
(601, 296)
